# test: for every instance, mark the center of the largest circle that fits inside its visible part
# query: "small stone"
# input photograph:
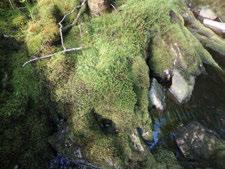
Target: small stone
(16, 167)
(78, 153)
(217, 27)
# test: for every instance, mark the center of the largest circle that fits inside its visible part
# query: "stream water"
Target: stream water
(206, 106)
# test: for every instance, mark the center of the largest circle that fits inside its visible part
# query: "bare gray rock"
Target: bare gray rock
(181, 88)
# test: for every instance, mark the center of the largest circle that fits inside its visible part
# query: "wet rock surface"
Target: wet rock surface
(62, 143)
(195, 141)
(199, 143)
(68, 155)
(62, 162)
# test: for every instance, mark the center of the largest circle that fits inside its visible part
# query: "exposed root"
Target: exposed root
(206, 36)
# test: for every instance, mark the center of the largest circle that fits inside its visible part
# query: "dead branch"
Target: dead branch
(11, 4)
(61, 27)
(65, 50)
(113, 7)
(82, 8)
(50, 55)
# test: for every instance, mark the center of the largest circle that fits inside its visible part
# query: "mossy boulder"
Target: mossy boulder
(199, 143)
(102, 90)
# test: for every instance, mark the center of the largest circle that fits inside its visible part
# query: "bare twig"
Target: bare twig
(79, 13)
(113, 7)
(65, 50)
(80, 31)
(82, 7)
(61, 27)
(50, 55)
(11, 3)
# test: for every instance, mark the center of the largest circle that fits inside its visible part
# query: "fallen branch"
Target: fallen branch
(50, 55)
(11, 4)
(65, 50)
(82, 9)
(61, 27)
(113, 7)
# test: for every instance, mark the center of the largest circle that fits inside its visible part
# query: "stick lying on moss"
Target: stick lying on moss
(82, 9)
(65, 50)
(50, 55)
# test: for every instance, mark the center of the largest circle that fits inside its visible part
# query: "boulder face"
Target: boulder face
(157, 95)
(181, 88)
(199, 143)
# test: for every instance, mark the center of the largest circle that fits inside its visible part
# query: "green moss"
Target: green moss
(11, 22)
(108, 79)
(44, 28)
(110, 76)
(24, 124)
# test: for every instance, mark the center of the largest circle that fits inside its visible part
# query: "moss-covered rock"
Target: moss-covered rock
(104, 87)
(109, 79)
(102, 90)
(218, 6)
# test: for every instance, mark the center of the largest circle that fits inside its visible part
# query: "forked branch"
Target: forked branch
(65, 50)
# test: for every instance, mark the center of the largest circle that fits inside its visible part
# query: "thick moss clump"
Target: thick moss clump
(25, 118)
(43, 30)
(103, 90)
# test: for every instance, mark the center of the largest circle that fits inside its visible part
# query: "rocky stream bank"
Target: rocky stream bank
(100, 84)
